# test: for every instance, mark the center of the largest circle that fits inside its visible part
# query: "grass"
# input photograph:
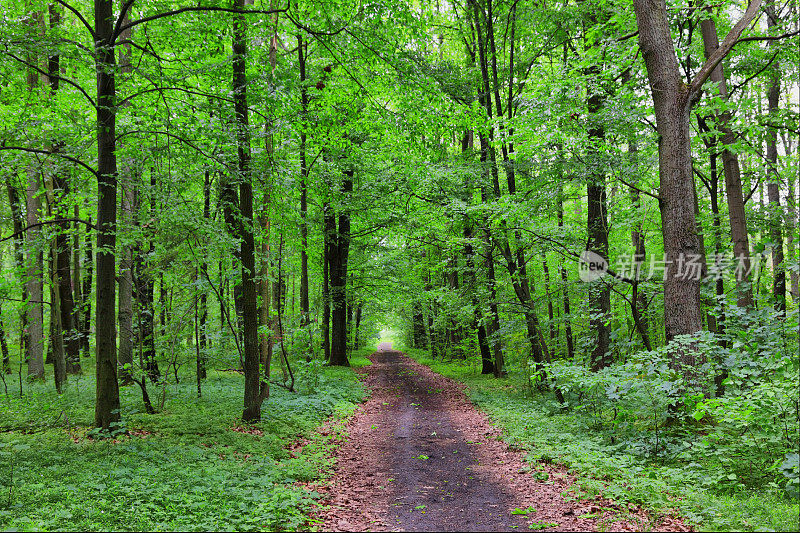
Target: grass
(553, 436)
(192, 466)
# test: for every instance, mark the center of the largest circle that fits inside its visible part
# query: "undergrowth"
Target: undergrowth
(690, 484)
(193, 466)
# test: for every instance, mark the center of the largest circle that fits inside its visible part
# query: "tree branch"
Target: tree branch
(48, 222)
(46, 152)
(724, 48)
(80, 17)
(121, 28)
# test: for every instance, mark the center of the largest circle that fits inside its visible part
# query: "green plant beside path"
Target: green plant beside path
(191, 467)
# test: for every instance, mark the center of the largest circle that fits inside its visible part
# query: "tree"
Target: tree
(672, 100)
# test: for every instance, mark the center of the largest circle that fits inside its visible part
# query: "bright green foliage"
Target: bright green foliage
(191, 467)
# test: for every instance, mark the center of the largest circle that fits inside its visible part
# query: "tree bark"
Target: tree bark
(88, 266)
(254, 387)
(18, 224)
(597, 229)
(339, 254)
(107, 407)
(773, 189)
(564, 283)
(672, 99)
(34, 261)
(304, 305)
(329, 227)
(733, 174)
(125, 299)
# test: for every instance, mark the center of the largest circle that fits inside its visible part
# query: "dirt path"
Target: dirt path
(420, 457)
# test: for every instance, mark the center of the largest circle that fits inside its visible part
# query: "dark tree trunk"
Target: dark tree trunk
(3, 344)
(66, 338)
(550, 310)
(203, 299)
(597, 226)
(69, 329)
(145, 294)
(565, 286)
(327, 231)
(107, 404)
(339, 253)
(127, 201)
(638, 298)
(304, 306)
(254, 389)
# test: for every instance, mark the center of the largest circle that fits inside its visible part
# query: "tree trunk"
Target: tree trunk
(107, 408)
(565, 286)
(19, 256)
(34, 262)
(733, 175)
(773, 190)
(69, 329)
(356, 340)
(254, 388)
(304, 305)
(145, 291)
(672, 100)
(327, 232)
(202, 340)
(88, 266)
(125, 300)
(597, 230)
(340, 251)
(6, 369)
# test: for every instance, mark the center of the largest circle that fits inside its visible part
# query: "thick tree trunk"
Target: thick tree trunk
(107, 403)
(672, 103)
(672, 100)
(340, 251)
(254, 387)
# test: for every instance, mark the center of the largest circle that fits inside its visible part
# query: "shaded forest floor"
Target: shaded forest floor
(421, 457)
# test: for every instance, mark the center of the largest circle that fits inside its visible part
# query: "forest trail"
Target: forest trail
(420, 457)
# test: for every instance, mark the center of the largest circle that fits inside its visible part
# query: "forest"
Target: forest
(399, 265)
